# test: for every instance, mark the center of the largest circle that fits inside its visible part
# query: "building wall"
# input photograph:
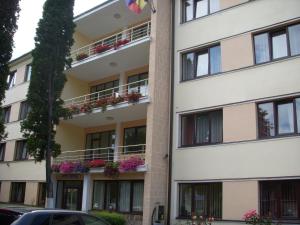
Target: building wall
(31, 193)
(5, 191)
(242, 160)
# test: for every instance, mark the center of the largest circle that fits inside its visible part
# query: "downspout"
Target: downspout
(171, 112)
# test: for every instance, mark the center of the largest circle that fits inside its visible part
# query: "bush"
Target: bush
(111, 217)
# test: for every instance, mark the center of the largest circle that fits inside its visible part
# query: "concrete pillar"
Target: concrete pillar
(122, 81)
(86, 193)
(157, 140)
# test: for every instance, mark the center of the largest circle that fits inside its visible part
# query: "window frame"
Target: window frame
(6, 114)
(196, 53)
(28, 68)
(183, 11)
(12, 189)
(271, 33)
(3, 149)
(12, 76)
(24, 144)
(276, 186)
(195, 115)
(193, 190)
(125, 149)
(117, 182)
(21, 110)
(275, 104)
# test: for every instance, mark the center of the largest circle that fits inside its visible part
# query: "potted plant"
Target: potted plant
(96, 163)
(113, 100)
(111, 169)
(74, 109)
(55, 168)
(133, 97)
(252, 217)
(120, 43)
(101, 48)
(131, 164)
(102, 103)
(81, 56)
(66, 167)
(80, 167)
(86, 108)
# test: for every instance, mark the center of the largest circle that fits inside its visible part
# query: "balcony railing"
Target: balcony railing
(108, 154)
(111, 96)
(113, 42)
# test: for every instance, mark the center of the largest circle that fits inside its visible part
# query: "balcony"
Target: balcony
(123, 103)
(108, 154)
(111, 54)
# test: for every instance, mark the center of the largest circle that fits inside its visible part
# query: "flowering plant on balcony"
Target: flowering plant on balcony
(101, 103)
(86, 108)
(96, 163)
(120, 43)
(81, 56)
(102, 48)
(80, 167)
(74, 109)
(113, 100)
(55, 168)
(66, 167)
(133, 97)
(130, 164)
(111, 169)
(252, 217)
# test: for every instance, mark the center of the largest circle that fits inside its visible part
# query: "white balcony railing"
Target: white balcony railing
(117, 94)
(112, 42)
(108, 154)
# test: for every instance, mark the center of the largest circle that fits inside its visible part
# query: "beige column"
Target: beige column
(156, 178)
(5, 191)
(31, 193)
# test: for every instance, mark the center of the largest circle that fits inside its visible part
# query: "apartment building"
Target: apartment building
(236, 110)
(22, 181)
(118, 92)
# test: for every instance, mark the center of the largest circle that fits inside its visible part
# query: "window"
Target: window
(138, 83)
(91, 220)
(280, 199)
(28, 73)
(202, 128)
(107, 89)
(277, 44)
(2, 151)
(70, 219)
(21, 150)
(105, 141)
(11, 79)
(17, 192)
(200, 63)
(24, 110)
(6, 114)
(203, 199)
(134, 136)
(42, 194)
(279, 118)
(121, 196)
(193, 9)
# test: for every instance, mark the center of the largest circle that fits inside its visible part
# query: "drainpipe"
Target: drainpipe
(171, 112)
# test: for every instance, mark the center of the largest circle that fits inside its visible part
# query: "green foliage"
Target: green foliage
(111, 217)
(9, 14)
(53, 42)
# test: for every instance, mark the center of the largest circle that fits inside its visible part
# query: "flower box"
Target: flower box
(81, 56)
(102, 48)
(133, 97)
(120, 43)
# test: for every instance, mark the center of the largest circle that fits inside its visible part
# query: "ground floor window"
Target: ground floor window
(201, 199)
(42, 194)
(121, 196)
(280, 199)
(17, 192)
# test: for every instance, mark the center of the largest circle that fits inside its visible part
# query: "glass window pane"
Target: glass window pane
(214, 6)
(202, 64)
(185, 200)
(216, 119)
(90, 220)
(294, 36)
(201, 8)
(298, 113)
(138, 195)
(266, 120)
(202, 129)
(188, 66)
(279, 44)
(201, 199)
(59, 219)
(215, 59)
(285, 118)
(187, 130)
(124, 196)
(98, 198)
(262, 51)
(111, 195)
(188, 10)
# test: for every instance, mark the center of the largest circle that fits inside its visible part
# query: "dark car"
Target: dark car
(54, 217)
(7, 216)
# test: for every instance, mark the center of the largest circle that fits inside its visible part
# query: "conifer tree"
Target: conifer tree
(9, 14)
(53, 41)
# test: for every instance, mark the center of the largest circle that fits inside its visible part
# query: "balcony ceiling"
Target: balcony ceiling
(112, 62)
(102, 19)
(125, 112)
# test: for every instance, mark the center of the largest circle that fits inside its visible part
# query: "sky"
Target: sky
(30, 14)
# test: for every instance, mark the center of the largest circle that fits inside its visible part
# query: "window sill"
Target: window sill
(279, 136)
